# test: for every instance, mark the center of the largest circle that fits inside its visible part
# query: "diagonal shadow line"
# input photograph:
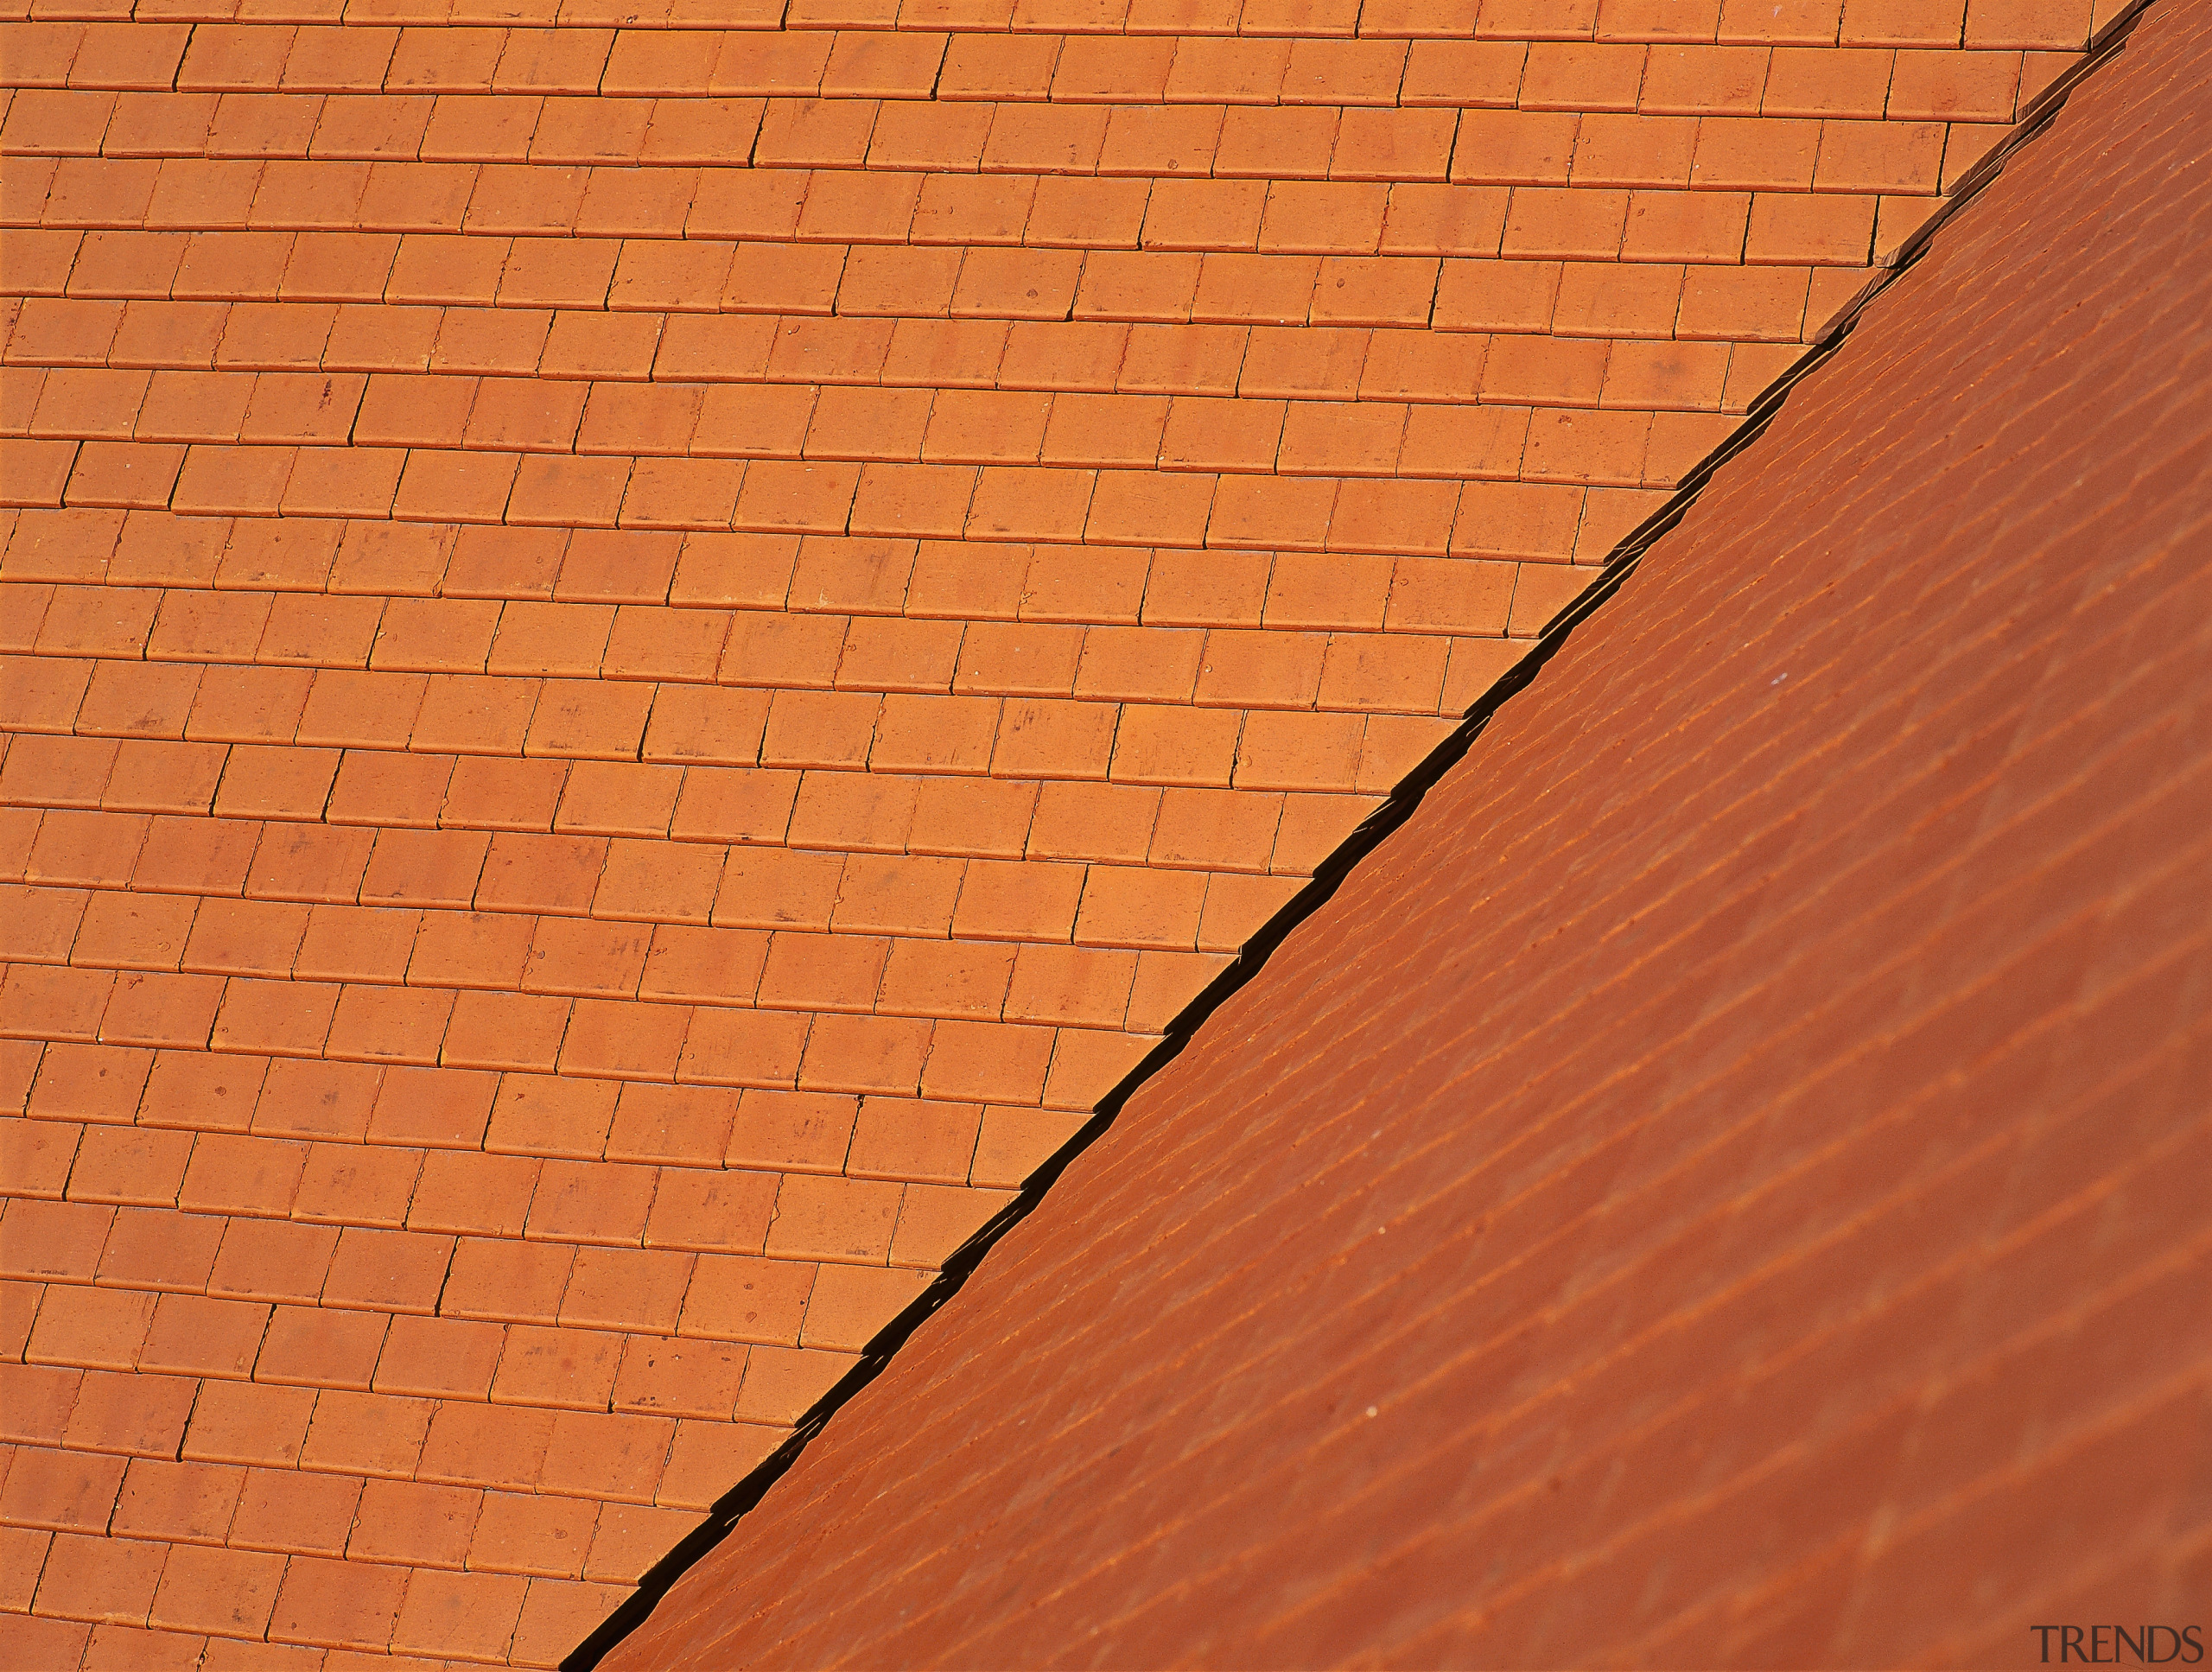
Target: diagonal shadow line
(1371, 832)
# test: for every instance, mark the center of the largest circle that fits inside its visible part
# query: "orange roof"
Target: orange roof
(1723, 1184)
(645, 654)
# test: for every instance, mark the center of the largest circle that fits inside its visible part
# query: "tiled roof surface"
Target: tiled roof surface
(645, 648)
(1723, 1184)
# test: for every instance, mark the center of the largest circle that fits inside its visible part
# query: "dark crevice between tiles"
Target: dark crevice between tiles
(1368, 835)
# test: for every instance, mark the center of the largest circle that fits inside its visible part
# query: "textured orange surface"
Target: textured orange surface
(1723, 1185)
(645, 650)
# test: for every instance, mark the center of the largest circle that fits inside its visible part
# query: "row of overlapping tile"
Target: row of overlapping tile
(1809, 22)
(642, 659)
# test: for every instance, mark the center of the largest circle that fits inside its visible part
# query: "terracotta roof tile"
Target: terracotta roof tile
(1635, 1217)
(645, 651)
